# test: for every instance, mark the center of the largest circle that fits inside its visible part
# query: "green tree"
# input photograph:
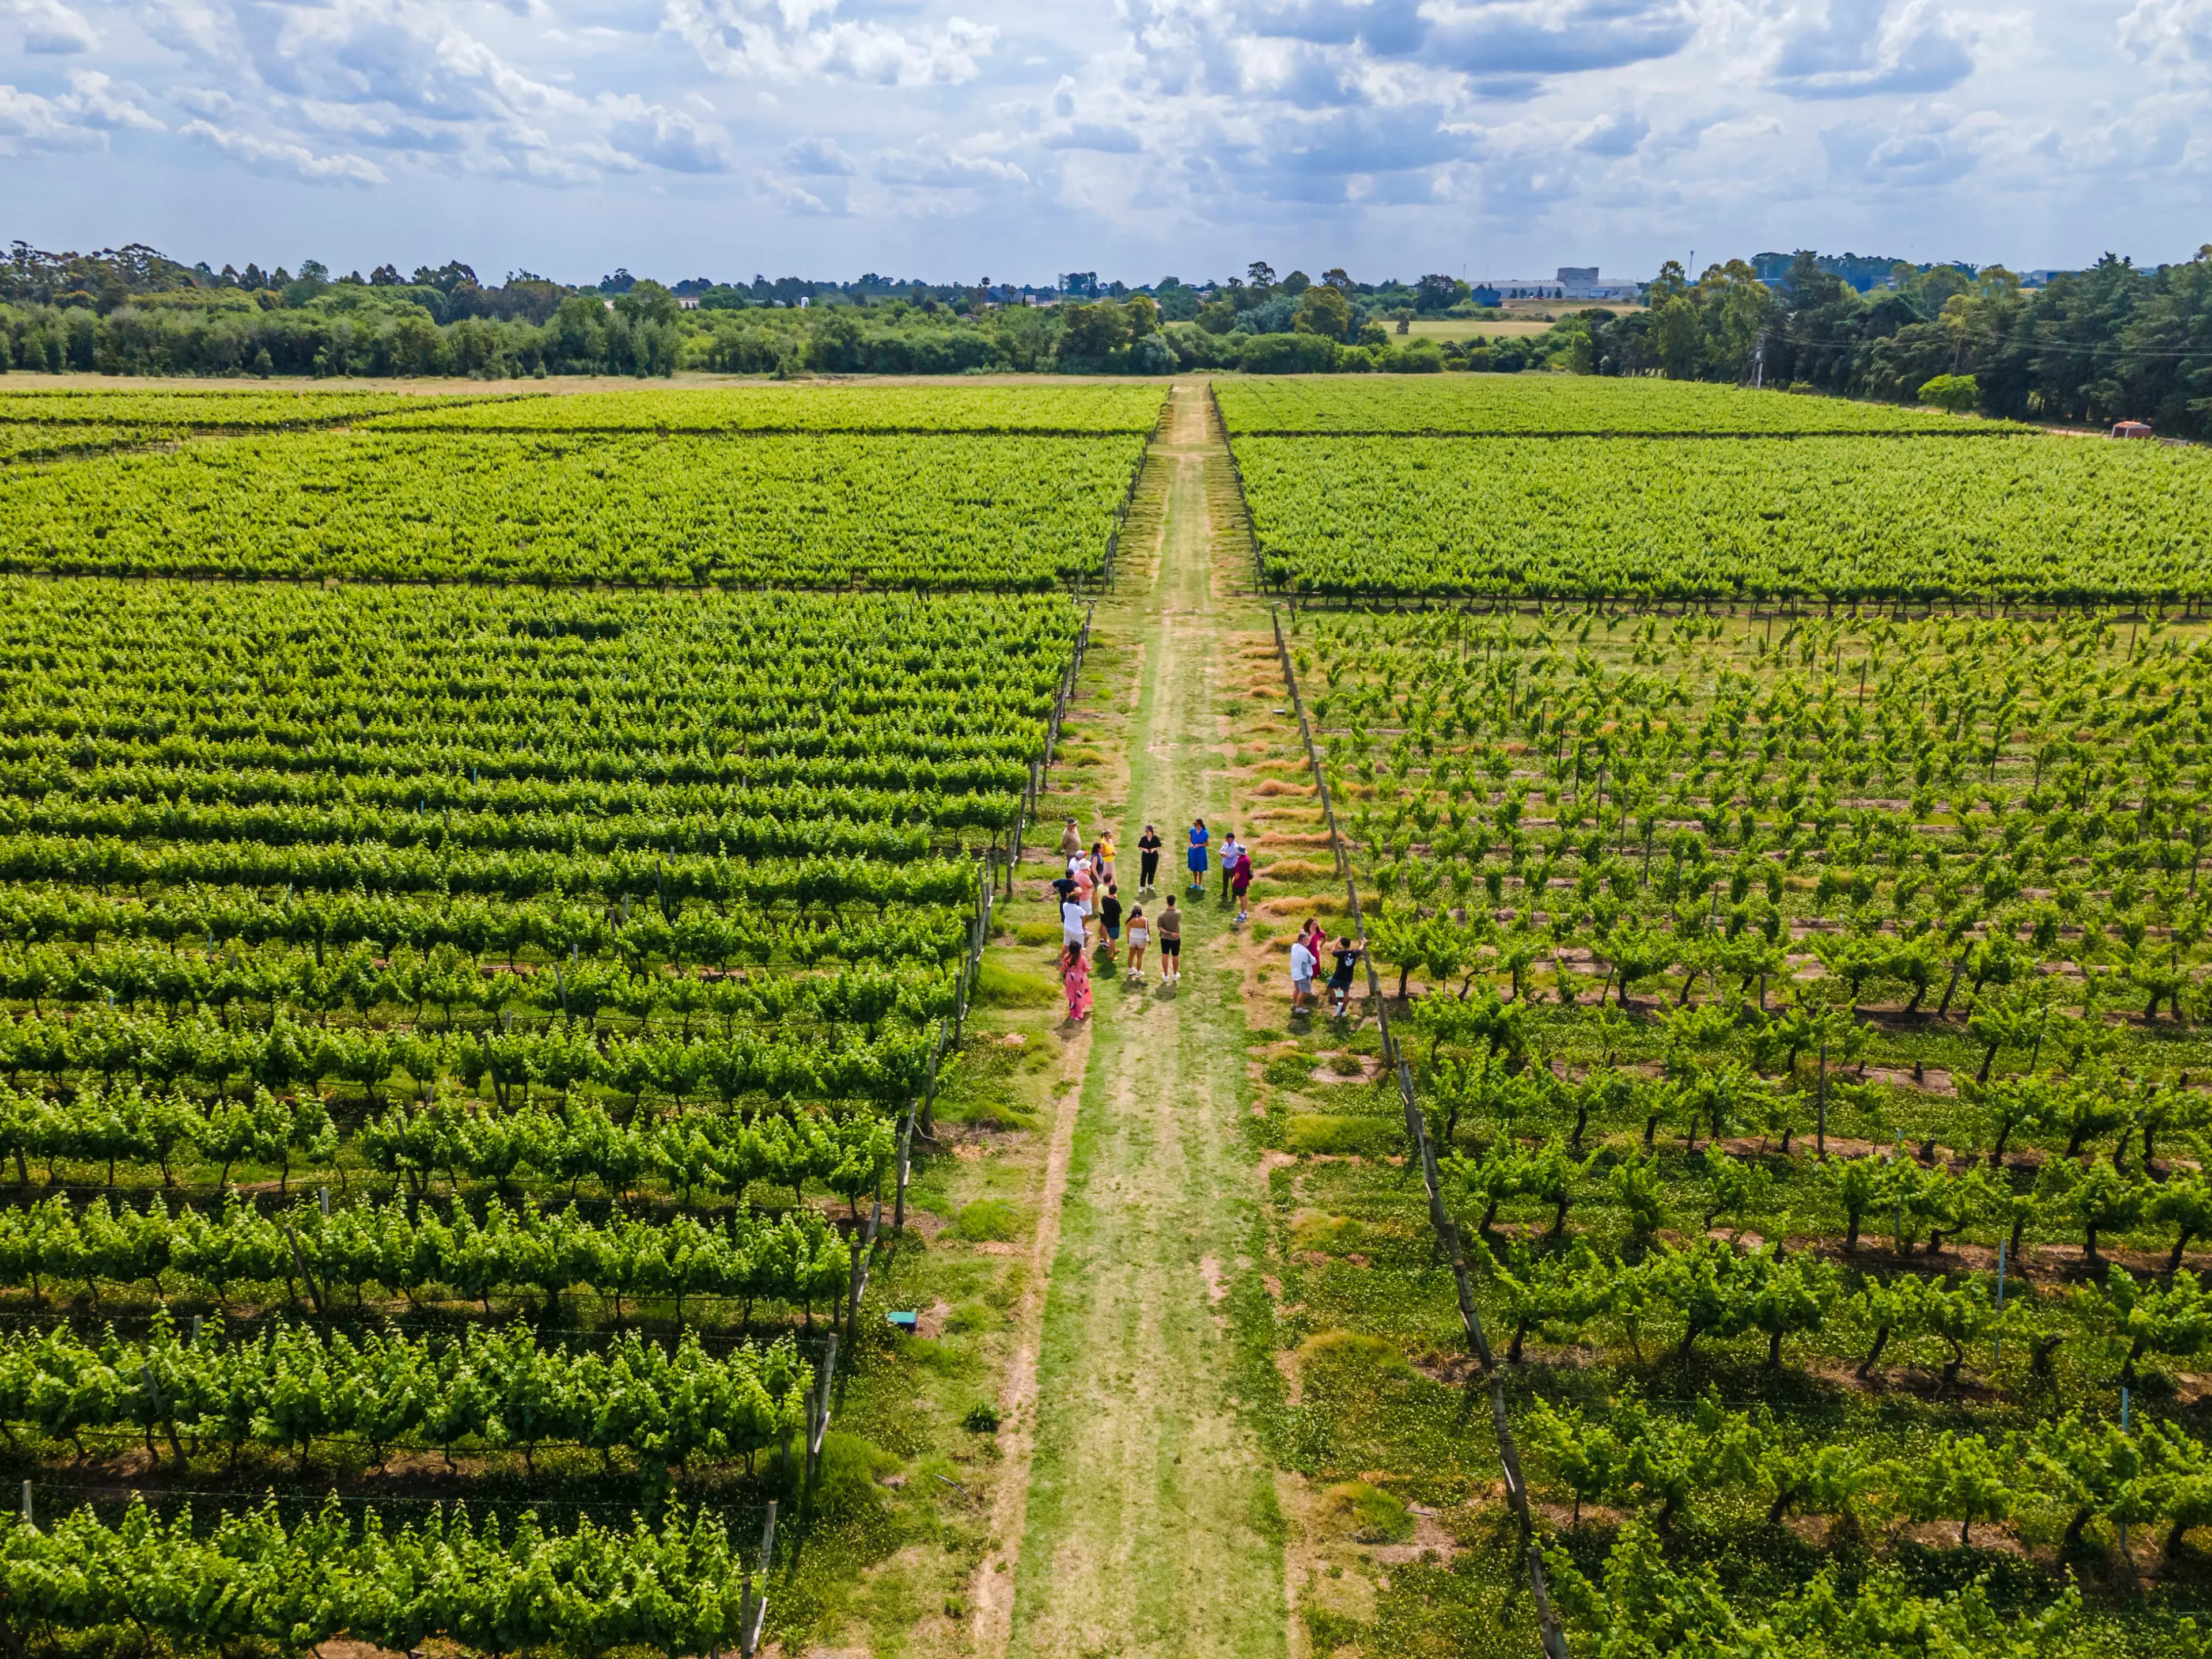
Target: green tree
(1959, 393)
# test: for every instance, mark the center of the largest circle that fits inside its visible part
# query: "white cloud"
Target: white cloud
(671, 139)
(282, 160)
(932, 165)
(1191, 135)
(2173, 35)
(1858, 48)
(796, 39)
(80, 119)
(51, 27)
(1617, 134)
(818, 156)
(30, 122)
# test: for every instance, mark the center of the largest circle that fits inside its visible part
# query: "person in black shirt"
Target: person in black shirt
(1339, 978)
(1063, 889)
(1148, 847)
(1109, 918)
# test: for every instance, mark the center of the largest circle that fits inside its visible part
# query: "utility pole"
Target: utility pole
(1759, 363)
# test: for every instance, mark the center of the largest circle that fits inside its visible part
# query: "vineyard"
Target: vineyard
(467, 1032)
(831, 511)
(1806, 1020)
(1561, 405)
(1881, 520)
(524, 934)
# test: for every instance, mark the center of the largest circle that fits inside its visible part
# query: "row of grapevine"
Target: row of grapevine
(412, 1143)
(631, 982)
(681, 1587)
(213, 407)
(431, 944)
(238, 1256)
(289, 1386)
(1090, 411)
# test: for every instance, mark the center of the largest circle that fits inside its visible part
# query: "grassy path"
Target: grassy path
(1148, 1525)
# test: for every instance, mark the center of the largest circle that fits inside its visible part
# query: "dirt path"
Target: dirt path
(1149, 1524)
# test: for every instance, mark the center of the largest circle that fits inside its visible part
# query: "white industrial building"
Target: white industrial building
(1568, 283)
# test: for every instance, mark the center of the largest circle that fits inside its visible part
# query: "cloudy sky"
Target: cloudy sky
(965, 138)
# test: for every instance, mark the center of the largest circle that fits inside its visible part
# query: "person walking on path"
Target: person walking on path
(1148, 858)
(1110, 920)
(1240, 878)
(1170, 943)
(1339, 979)
(1140, 935)
(1198, 840)
(1075, 974)
(1302, 974)
(1229, 849)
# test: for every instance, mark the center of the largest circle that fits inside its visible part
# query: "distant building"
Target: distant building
(2132, 429)
(1571, 282)
(687, 302)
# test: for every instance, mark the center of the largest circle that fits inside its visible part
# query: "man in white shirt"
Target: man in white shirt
(1302, 976)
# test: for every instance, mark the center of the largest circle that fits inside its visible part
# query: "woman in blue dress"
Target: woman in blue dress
(1198, 840)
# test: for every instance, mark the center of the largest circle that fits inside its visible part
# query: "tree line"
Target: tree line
(2116, 341)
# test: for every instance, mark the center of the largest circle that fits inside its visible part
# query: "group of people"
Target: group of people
(1306, 952)
(1088, 889)
(1236, 865)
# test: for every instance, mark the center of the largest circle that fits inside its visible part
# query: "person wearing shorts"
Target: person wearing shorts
(1148, 856)
(1197, 857)
(1302, 974)
(1171, 931)
(1072, 929)
(1140, 935)
(1109, 918)
(1339, 978)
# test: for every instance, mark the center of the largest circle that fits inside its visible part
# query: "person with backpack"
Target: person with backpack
(1240, 879)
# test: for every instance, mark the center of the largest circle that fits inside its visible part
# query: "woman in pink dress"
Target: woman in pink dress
(1075, 974)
